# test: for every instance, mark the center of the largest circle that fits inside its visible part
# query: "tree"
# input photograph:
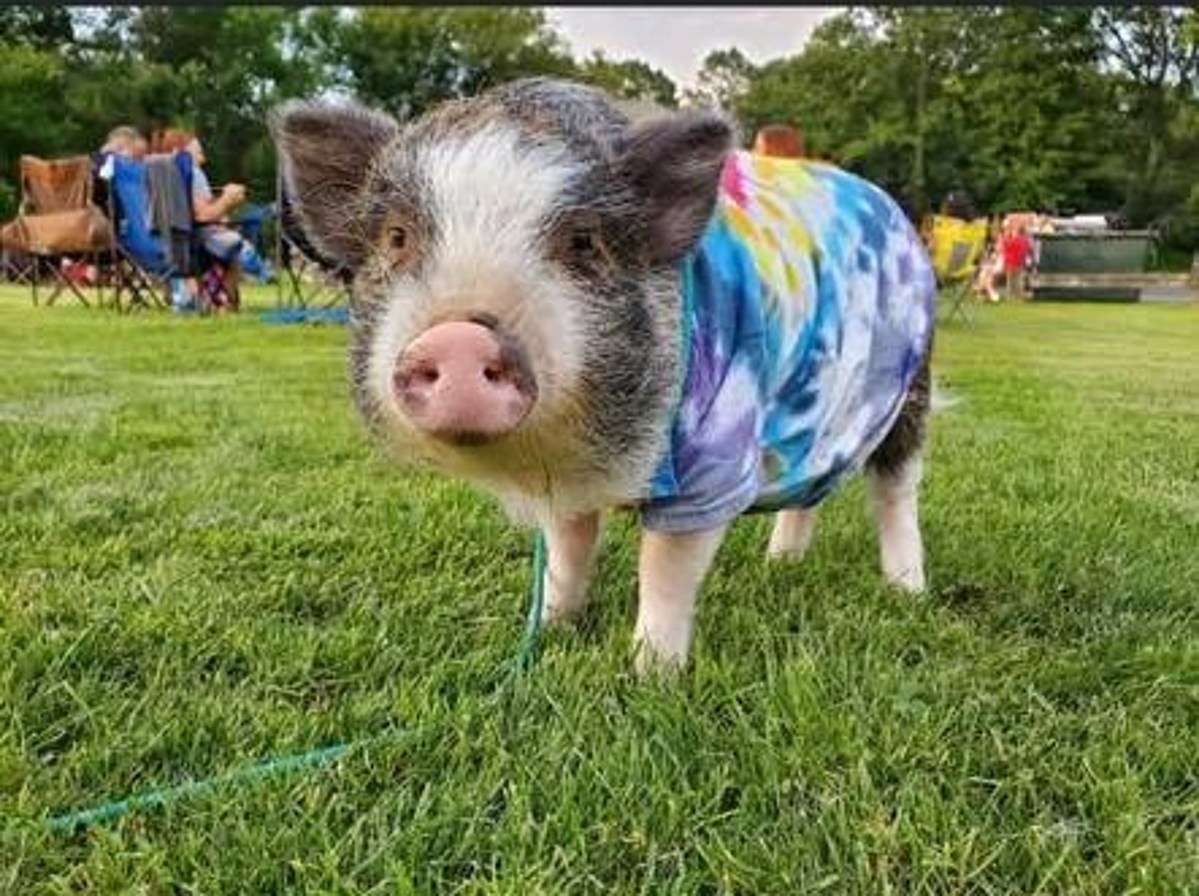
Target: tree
(723, 78)
(216, 70)
(1006, 103)
(37, 27)
(836, 93)
(1087, 108)
(1155, 55)
(405, 59)
(629, 79)
(31, 81)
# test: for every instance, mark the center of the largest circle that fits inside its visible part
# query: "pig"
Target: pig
(575, 312)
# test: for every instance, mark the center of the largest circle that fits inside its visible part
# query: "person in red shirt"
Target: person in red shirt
(1016, 248)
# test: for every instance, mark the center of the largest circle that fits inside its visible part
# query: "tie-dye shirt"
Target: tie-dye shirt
(808, 306)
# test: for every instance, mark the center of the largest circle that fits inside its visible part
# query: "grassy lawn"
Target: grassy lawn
(203, 563)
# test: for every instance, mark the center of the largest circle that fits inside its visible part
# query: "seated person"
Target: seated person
(120, 141)
(212, 212)
(119, 183)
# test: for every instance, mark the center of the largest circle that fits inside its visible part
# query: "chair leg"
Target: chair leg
(231, 278)
(64, 281)
(955, 295)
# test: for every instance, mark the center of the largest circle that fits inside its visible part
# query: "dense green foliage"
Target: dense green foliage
(1054, 108)
(203, 562)
(1067, 108)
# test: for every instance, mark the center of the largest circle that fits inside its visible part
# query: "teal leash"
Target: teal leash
(313, 759)
(117, 808)
(526, 653)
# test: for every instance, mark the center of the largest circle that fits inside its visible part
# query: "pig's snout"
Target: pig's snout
(464, 382)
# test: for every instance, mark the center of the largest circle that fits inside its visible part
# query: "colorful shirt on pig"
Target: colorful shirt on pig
(808, 306)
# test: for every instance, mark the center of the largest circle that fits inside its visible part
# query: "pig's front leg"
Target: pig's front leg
(792, 533)
(672, 566)
(571, 543)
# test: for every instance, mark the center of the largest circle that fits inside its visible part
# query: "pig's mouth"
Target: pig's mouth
(465, 382)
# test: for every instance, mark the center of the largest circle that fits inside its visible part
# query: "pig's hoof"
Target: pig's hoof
(777, 554)
(654, 663)
(910, 580)
(791, 535)
(561, 615)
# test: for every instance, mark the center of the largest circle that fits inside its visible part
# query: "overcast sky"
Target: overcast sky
(676, 39)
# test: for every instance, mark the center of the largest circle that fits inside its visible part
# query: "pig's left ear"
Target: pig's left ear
(673, 165)
(325, 151)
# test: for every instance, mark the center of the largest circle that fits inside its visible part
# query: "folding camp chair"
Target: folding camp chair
(303, 277)
(57, 219)
(956, 247)
(139, 263)
(218, 278)
(16, 266)
(157, 236)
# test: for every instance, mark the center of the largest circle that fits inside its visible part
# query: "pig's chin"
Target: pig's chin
(547, 466)
(523, 454)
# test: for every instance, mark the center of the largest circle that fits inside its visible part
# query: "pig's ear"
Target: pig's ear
(673, 165)
(324, 152)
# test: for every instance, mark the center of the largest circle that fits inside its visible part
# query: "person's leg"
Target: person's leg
(253, 263)
(221, 242)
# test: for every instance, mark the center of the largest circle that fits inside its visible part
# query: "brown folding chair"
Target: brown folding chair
(56, 219)
(16, 266)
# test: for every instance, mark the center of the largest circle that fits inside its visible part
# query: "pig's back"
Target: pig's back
(810, 303)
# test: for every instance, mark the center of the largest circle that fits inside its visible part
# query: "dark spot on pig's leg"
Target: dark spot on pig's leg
(893, 481)
(906, 436)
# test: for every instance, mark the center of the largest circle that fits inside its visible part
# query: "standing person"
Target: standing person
(990, 268)
(1016, 249)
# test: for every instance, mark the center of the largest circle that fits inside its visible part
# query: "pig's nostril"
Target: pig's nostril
(416, 376)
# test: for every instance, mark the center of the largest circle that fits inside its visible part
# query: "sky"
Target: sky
(676, 39)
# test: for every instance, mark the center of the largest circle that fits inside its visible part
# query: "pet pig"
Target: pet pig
(575, 311)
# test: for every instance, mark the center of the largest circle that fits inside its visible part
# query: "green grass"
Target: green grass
(204, 563)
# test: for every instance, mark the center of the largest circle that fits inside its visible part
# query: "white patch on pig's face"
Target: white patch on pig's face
(488, 256)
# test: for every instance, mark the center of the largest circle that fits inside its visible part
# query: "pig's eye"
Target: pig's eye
(399, 245)
(584, 242)
(584, 245)
(578, 244)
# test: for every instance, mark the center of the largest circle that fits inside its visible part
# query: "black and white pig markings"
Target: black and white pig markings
(576, 312)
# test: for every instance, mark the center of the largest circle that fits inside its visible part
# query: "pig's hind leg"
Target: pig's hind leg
(893, 475)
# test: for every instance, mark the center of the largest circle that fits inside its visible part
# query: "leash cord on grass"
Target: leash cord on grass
(114, 809)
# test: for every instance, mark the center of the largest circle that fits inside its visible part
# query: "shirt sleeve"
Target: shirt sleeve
(200, 186)
(714, 467)
(712, 472)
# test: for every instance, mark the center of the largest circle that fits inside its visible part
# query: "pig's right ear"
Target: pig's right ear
(325, 151)
(673, 165)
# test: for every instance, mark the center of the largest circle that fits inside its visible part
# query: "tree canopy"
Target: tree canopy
(1055, 108)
